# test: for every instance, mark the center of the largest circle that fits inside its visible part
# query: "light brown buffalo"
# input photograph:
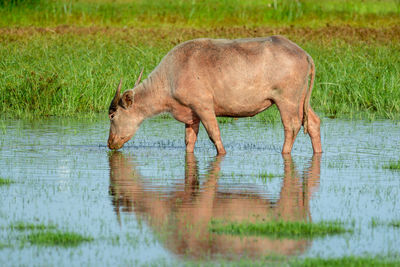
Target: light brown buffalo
(204, 78)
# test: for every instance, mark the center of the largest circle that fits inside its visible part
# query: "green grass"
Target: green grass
(356, 79)
(47, 235)
(393, 165)
(276, 260)
(22, 226)
(351, 261)
(57, 238)
(69, 74)
(267, 176)
(4, 181)
(278, 229)
(376, 222)
(395, 224)
(206, 13)
(71, 70)
(3, 245)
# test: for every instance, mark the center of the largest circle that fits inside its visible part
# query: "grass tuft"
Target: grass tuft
(345, 261)
(268, 176)
(21, 226)
(395, 224)
(278, 229)
(4, 181)
(57, 238)
(393, 165)
(2, 245)
(376, 222)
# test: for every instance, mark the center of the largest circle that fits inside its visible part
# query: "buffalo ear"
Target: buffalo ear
(127, 99)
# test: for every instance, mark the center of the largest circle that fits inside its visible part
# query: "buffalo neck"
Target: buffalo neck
(150, 96)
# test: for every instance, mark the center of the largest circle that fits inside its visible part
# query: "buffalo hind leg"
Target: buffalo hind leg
(314, 131)
(209, 120)
(191, 131)
(291, 125)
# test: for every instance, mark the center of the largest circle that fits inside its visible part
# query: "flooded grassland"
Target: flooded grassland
(67, 200)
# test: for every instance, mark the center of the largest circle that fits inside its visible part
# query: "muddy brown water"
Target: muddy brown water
(152, 203)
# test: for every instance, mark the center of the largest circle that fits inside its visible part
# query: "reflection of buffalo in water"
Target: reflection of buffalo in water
(183, 216)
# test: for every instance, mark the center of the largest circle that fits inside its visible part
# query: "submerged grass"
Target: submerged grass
(22, 226)
(395, 224)
(352, 261)
(278, 229)
(3, 245)
(57, 238)
(276, 260)
(47, 235)
(4, 181)
(268, 176)
(393, 165)
(376, 222)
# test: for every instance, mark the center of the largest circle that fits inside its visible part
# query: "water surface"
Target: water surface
(151, 202)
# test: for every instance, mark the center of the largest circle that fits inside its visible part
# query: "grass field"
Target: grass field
(63, 58)
(205, 13)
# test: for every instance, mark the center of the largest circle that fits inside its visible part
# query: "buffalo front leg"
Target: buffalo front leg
(291, 132)
(191, 131)
(291, 124)
(209, 120)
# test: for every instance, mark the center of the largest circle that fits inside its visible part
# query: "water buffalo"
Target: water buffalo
(204, 78)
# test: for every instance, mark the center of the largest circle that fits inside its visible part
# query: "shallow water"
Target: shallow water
(151, 202)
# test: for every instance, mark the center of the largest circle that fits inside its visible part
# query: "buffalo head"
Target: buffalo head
(123, 118)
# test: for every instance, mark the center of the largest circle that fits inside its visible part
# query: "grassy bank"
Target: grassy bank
(68, 73)
(205, 13)
(67, 58)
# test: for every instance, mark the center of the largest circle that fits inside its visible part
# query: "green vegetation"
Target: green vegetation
(395, 224)
(21, 226)
(68, 57)
(69, 74)
(2, 245)
(376, 222)
(346, 261)
(276, 260)
(66, 75)
(47, 235)
(393, 165)
(278, 229)
(4, 181)
(57, 238)
(267, 176)
(206, 13)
